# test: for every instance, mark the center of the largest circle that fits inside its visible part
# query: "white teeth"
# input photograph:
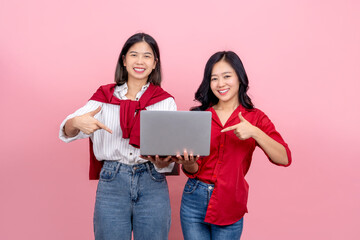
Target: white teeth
(224, 91)
(139, 69)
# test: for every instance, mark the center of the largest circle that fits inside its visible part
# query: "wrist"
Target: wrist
(70, 128)
(256, 133)
(191, 168)
(74, 122)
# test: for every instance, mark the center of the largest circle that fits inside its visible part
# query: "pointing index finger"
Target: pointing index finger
(102, 126)
(228, 129)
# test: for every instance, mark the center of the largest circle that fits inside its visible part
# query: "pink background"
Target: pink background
(302, 58)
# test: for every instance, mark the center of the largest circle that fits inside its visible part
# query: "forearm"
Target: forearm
(70, 129)
(272, 148)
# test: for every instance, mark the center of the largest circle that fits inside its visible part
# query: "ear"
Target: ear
(155, 62)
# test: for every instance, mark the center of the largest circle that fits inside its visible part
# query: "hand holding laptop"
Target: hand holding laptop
(188, 161)
(158, 161)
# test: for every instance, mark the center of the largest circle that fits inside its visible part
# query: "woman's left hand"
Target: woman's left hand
(158, 161)
(187, 159)
(243, 130)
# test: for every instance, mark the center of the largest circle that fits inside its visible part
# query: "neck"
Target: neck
(135, 85)
(227, 106)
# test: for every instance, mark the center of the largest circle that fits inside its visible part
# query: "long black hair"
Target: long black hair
(121, 74)
(204, 93)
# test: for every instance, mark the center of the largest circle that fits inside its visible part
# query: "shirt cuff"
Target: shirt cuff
(165, 169)
(67, 139)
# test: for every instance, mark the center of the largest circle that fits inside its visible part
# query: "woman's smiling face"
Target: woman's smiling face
(224, 82)
(139, 61)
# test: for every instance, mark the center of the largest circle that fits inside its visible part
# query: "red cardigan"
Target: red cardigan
(129, 117)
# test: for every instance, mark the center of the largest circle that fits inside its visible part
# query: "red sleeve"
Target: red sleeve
(268, 127)
(95, 165)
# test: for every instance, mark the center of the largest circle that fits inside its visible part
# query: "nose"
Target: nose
(139, 59)
(221, 82)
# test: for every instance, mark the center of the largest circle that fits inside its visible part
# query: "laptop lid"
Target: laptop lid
(167, 133)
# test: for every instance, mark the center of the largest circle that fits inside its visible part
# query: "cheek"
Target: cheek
(236, 83)
(154, 62)
(236, 86)
(126, 65)
(213, 87)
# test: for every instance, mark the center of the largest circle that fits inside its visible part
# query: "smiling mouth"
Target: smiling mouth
(139, 70)
(223, 92)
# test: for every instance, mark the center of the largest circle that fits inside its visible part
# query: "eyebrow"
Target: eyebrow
(221, 73)
(144, 52)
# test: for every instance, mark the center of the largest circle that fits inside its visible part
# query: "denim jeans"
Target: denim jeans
(131, 198)
(195, 199)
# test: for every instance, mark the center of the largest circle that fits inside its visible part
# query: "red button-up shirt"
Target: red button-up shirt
(228, 163)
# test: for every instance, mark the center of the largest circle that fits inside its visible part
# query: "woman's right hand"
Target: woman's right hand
(85, 123)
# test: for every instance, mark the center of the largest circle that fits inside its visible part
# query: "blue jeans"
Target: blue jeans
(131, 198)
(194, 203)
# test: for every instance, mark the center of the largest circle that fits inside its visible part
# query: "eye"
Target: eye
(213, 79)
(227, 76)
(132, 55)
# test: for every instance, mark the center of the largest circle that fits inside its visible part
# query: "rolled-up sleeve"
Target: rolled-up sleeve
(90, 106)
(268, 127)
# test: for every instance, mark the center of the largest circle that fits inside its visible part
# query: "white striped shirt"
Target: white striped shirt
(108, 146)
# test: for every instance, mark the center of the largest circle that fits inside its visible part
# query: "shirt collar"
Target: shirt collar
(121, 91)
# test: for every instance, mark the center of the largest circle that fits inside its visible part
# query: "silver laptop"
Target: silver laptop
(167, 133)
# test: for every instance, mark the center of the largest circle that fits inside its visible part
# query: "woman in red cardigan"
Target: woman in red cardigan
(132, 194)
(215, 196)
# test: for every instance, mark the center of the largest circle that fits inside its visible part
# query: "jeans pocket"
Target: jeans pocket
(107, 174)
(190, 186)
(156, 176)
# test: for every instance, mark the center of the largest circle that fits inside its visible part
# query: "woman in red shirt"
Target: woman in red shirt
(215, 196)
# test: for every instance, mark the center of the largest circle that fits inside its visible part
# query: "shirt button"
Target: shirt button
(221, 145)
(209, 206)
(214, 176)
(130, 153)
(136, 99)
(210, 187)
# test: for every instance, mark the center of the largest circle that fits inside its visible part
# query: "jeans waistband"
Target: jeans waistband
(201, 184)
(130, 168)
